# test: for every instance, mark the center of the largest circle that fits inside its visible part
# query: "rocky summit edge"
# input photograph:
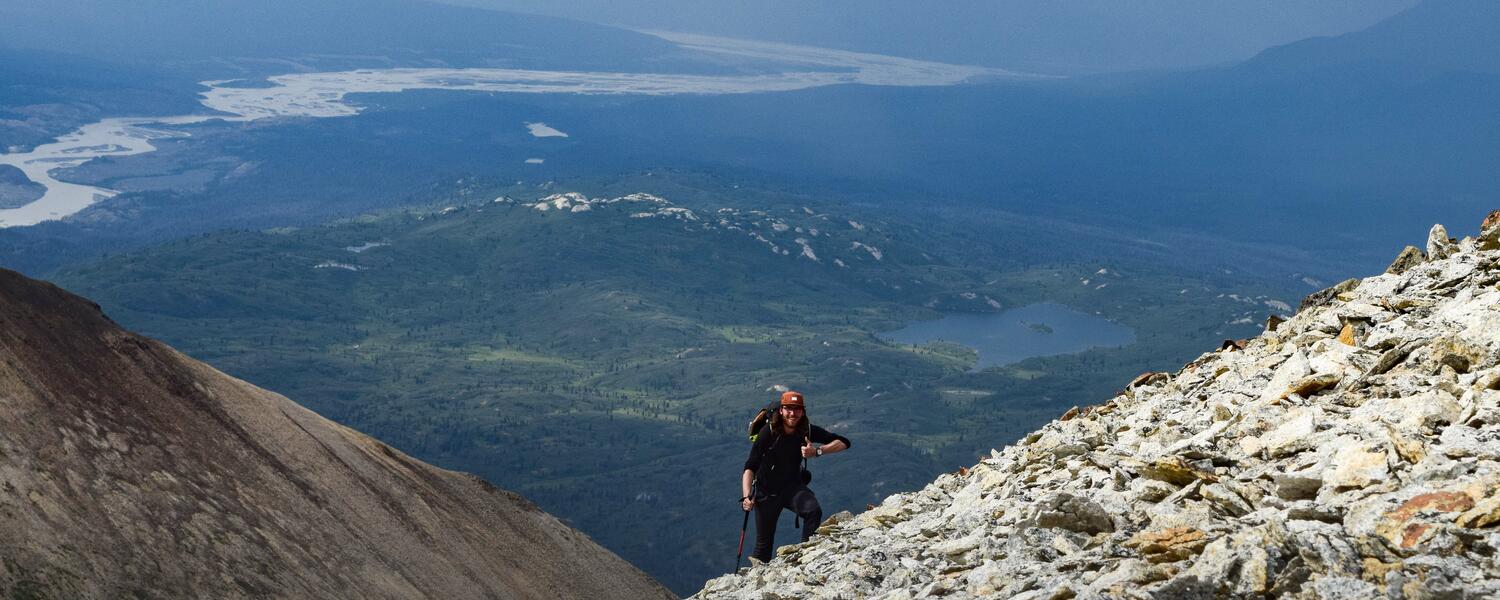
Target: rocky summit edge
(1350, 451)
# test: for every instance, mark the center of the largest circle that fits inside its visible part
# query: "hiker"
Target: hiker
(774, 468)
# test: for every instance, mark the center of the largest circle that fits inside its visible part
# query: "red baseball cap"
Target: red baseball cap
(790, 398)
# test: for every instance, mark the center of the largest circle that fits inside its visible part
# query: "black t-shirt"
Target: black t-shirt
(783, 455)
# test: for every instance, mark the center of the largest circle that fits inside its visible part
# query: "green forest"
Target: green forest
(605, 362)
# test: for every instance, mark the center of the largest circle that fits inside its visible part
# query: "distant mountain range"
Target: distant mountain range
(1372, 129)
(1386, 127)
(1066, 38)
(1381, 129)
(216, 36)
(45, 94)
(134, 471)
(65, 65)
(1436, 36)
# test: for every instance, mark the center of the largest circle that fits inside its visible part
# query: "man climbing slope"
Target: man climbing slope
(773, 479)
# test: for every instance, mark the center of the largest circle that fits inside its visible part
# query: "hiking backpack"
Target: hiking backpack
(762, 419)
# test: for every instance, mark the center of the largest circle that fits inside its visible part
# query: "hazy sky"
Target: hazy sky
(1060, 36)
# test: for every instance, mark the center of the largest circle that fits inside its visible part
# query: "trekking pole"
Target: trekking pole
(746, 525)
(741, 551)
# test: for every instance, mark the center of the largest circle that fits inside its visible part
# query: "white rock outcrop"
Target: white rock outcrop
(1353, 451)
(754, 224)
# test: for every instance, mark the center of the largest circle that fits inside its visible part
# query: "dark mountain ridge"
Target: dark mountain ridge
(1436, 36)
(132, 470)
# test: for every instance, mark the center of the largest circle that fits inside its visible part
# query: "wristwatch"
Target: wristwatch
(818, 449)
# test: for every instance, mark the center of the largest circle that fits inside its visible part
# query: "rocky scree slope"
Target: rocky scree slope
(130, 470)
(1352, 451)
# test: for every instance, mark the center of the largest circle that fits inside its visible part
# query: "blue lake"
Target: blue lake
(1019, 333)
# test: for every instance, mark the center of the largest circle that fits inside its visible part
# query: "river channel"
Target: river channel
(303, 95)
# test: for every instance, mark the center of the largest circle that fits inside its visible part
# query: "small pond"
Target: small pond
(1019, 333)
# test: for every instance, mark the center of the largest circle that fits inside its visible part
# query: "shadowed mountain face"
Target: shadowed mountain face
(15, 188)
(131, 470)
(1436, 36)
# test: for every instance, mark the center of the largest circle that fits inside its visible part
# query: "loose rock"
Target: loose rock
(1350, 451)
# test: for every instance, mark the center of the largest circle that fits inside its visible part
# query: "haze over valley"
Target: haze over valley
(572, 252)
(323, 95)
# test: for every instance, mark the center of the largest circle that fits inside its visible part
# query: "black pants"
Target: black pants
(799, 500)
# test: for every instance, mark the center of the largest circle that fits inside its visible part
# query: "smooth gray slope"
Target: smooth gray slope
(131, 470)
